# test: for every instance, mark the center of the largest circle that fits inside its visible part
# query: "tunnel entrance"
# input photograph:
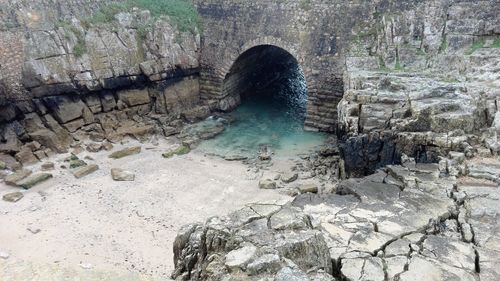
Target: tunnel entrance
(267, 87)
(270, 73)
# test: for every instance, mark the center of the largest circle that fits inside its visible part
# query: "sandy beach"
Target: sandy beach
(97, 224)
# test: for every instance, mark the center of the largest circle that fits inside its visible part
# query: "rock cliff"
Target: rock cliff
(75, 77)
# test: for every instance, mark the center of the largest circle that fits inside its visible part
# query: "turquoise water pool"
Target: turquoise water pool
(265, 120)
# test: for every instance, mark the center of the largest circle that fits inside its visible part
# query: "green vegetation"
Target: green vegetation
(444, 45)
(305, 5)
(496, 43)
(475, 46)
(181, 150)
(381, 63)
(80, 48)
(181, 12)
(398, 66)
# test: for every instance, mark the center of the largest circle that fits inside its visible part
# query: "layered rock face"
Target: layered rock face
(132, 76)
(421, 82)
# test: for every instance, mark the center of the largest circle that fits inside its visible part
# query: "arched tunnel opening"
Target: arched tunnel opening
(267, 94)
(268, 75)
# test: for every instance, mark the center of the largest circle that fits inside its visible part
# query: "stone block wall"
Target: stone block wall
(329, 37)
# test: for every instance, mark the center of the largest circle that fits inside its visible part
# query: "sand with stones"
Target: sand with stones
(97, 223)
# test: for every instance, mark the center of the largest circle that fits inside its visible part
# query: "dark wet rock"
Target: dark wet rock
(75, 163)
(364, 154)
(16, 177)
(33, 180)
(235, 158)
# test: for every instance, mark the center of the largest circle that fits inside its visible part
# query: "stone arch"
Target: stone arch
(292, 49)
(228, 102)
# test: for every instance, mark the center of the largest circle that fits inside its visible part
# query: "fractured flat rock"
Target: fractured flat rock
(121, 175)
(85, 170)
(240, 257)
(33, 180)
(125, 152)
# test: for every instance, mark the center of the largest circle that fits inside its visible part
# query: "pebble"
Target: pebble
(4, 255)
(86, 265)
(34, 230)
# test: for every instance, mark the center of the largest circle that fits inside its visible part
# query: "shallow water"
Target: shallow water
(265, 121)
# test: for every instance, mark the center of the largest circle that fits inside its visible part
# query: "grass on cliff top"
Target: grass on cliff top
(481, 44)
(181, 12)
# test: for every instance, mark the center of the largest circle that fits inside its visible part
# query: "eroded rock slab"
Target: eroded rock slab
(33, 180)
(125, 152)
(85, 170)
(121, 175)
(405, 228)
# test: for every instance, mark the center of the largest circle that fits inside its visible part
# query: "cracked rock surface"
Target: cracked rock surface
(401, 223)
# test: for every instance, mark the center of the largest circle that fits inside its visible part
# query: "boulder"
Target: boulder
(268, 263)
(85, 170)
(13, 197)
(26, 157)
(47, 138)
(47, 166)
(65, 108)
(121, 175)
(308, 188)
(33, 180)
(17, 177)
(40, 154)
(239, 258)
(94, 147)
(267, 184)
(289, 177)
(289, 218)
(291, 274)
(10, 162)
(3, 165)
(75, 163)
(125, 152)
